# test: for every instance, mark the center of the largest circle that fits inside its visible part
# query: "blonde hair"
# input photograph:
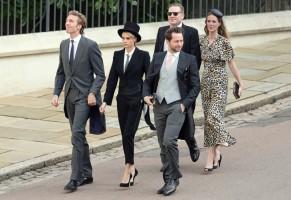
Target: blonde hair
(177, 4)
(131, 35)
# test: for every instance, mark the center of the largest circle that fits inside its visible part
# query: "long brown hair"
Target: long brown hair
(221, 29)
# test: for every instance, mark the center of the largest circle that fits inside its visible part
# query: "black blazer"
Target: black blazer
(191, 42)
(132, 78)
(188, 81)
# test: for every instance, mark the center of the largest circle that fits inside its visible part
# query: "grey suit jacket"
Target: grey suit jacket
(188, 81)
(88, 61)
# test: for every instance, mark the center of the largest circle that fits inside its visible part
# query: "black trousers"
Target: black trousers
(129, 108)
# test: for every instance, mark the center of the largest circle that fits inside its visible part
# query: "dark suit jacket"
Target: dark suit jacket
(132, 78)
(88, 61)
(191, 42)
(188, 81)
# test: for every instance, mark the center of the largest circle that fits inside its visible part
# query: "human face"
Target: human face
(212, 24)
(176, 43)
(72, 26)
(128, 41)
(175, 20)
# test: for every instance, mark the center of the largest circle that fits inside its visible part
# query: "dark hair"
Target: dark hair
(177, 4)
(81, 19)
(168, 34)
(221, 29)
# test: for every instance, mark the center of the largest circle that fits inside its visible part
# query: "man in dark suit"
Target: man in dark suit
(80, 58)
(174, 77)
(190, 46)
(191, 36)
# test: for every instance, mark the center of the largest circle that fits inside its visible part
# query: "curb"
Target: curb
(143, 133)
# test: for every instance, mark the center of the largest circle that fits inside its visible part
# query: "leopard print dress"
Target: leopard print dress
(214, 84)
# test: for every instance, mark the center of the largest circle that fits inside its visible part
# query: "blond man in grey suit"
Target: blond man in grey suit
(80, 58)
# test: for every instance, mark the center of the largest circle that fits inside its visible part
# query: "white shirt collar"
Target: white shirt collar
(180, 25)
(130, 53)
(76, 39)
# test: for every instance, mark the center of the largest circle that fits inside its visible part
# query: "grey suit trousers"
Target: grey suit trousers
(169, 120)
(78, 113)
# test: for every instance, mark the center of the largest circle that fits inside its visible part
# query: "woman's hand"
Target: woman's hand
(102, 107)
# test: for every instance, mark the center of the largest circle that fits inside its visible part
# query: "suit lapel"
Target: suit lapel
(163, 38)
(159, 61)
(181, 62)
(134, 59)
(79, 53)
(66, 47)
(121, 64)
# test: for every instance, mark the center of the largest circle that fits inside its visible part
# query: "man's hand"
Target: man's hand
(182, 108)
(148, 100)
(91, 99)
(55, 101)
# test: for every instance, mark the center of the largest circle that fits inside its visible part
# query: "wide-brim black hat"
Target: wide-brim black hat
(132, 28)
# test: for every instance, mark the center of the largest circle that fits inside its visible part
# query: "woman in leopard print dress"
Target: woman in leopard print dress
(215, 52)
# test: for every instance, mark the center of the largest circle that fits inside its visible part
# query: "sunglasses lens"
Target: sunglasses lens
(174, 13)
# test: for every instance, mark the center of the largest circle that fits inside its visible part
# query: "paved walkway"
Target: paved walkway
(33, 134)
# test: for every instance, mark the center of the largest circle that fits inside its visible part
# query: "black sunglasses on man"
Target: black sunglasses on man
(174, 13)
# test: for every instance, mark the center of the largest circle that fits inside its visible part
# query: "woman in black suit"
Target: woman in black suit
(129, 66)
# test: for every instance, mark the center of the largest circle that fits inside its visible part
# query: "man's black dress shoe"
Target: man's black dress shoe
(170, 187)
(85, 180)
(71, 186)
(162, 189)
(194, 154)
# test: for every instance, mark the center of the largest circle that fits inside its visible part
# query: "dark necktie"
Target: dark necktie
(72, 54)
(127, 61)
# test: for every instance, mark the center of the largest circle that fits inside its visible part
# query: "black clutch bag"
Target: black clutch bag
(235, 90)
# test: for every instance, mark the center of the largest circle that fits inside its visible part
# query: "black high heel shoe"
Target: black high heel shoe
(135, 174)
(208, 170)
(126, 184)
(219, 162)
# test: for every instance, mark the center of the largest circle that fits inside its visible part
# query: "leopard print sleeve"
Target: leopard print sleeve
(227, 53)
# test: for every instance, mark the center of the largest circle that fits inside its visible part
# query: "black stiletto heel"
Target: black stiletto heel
(208, 170)
(219, 162)
(135, 174)
(126, 184)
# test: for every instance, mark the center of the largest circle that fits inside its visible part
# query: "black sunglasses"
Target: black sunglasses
(174, 13)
